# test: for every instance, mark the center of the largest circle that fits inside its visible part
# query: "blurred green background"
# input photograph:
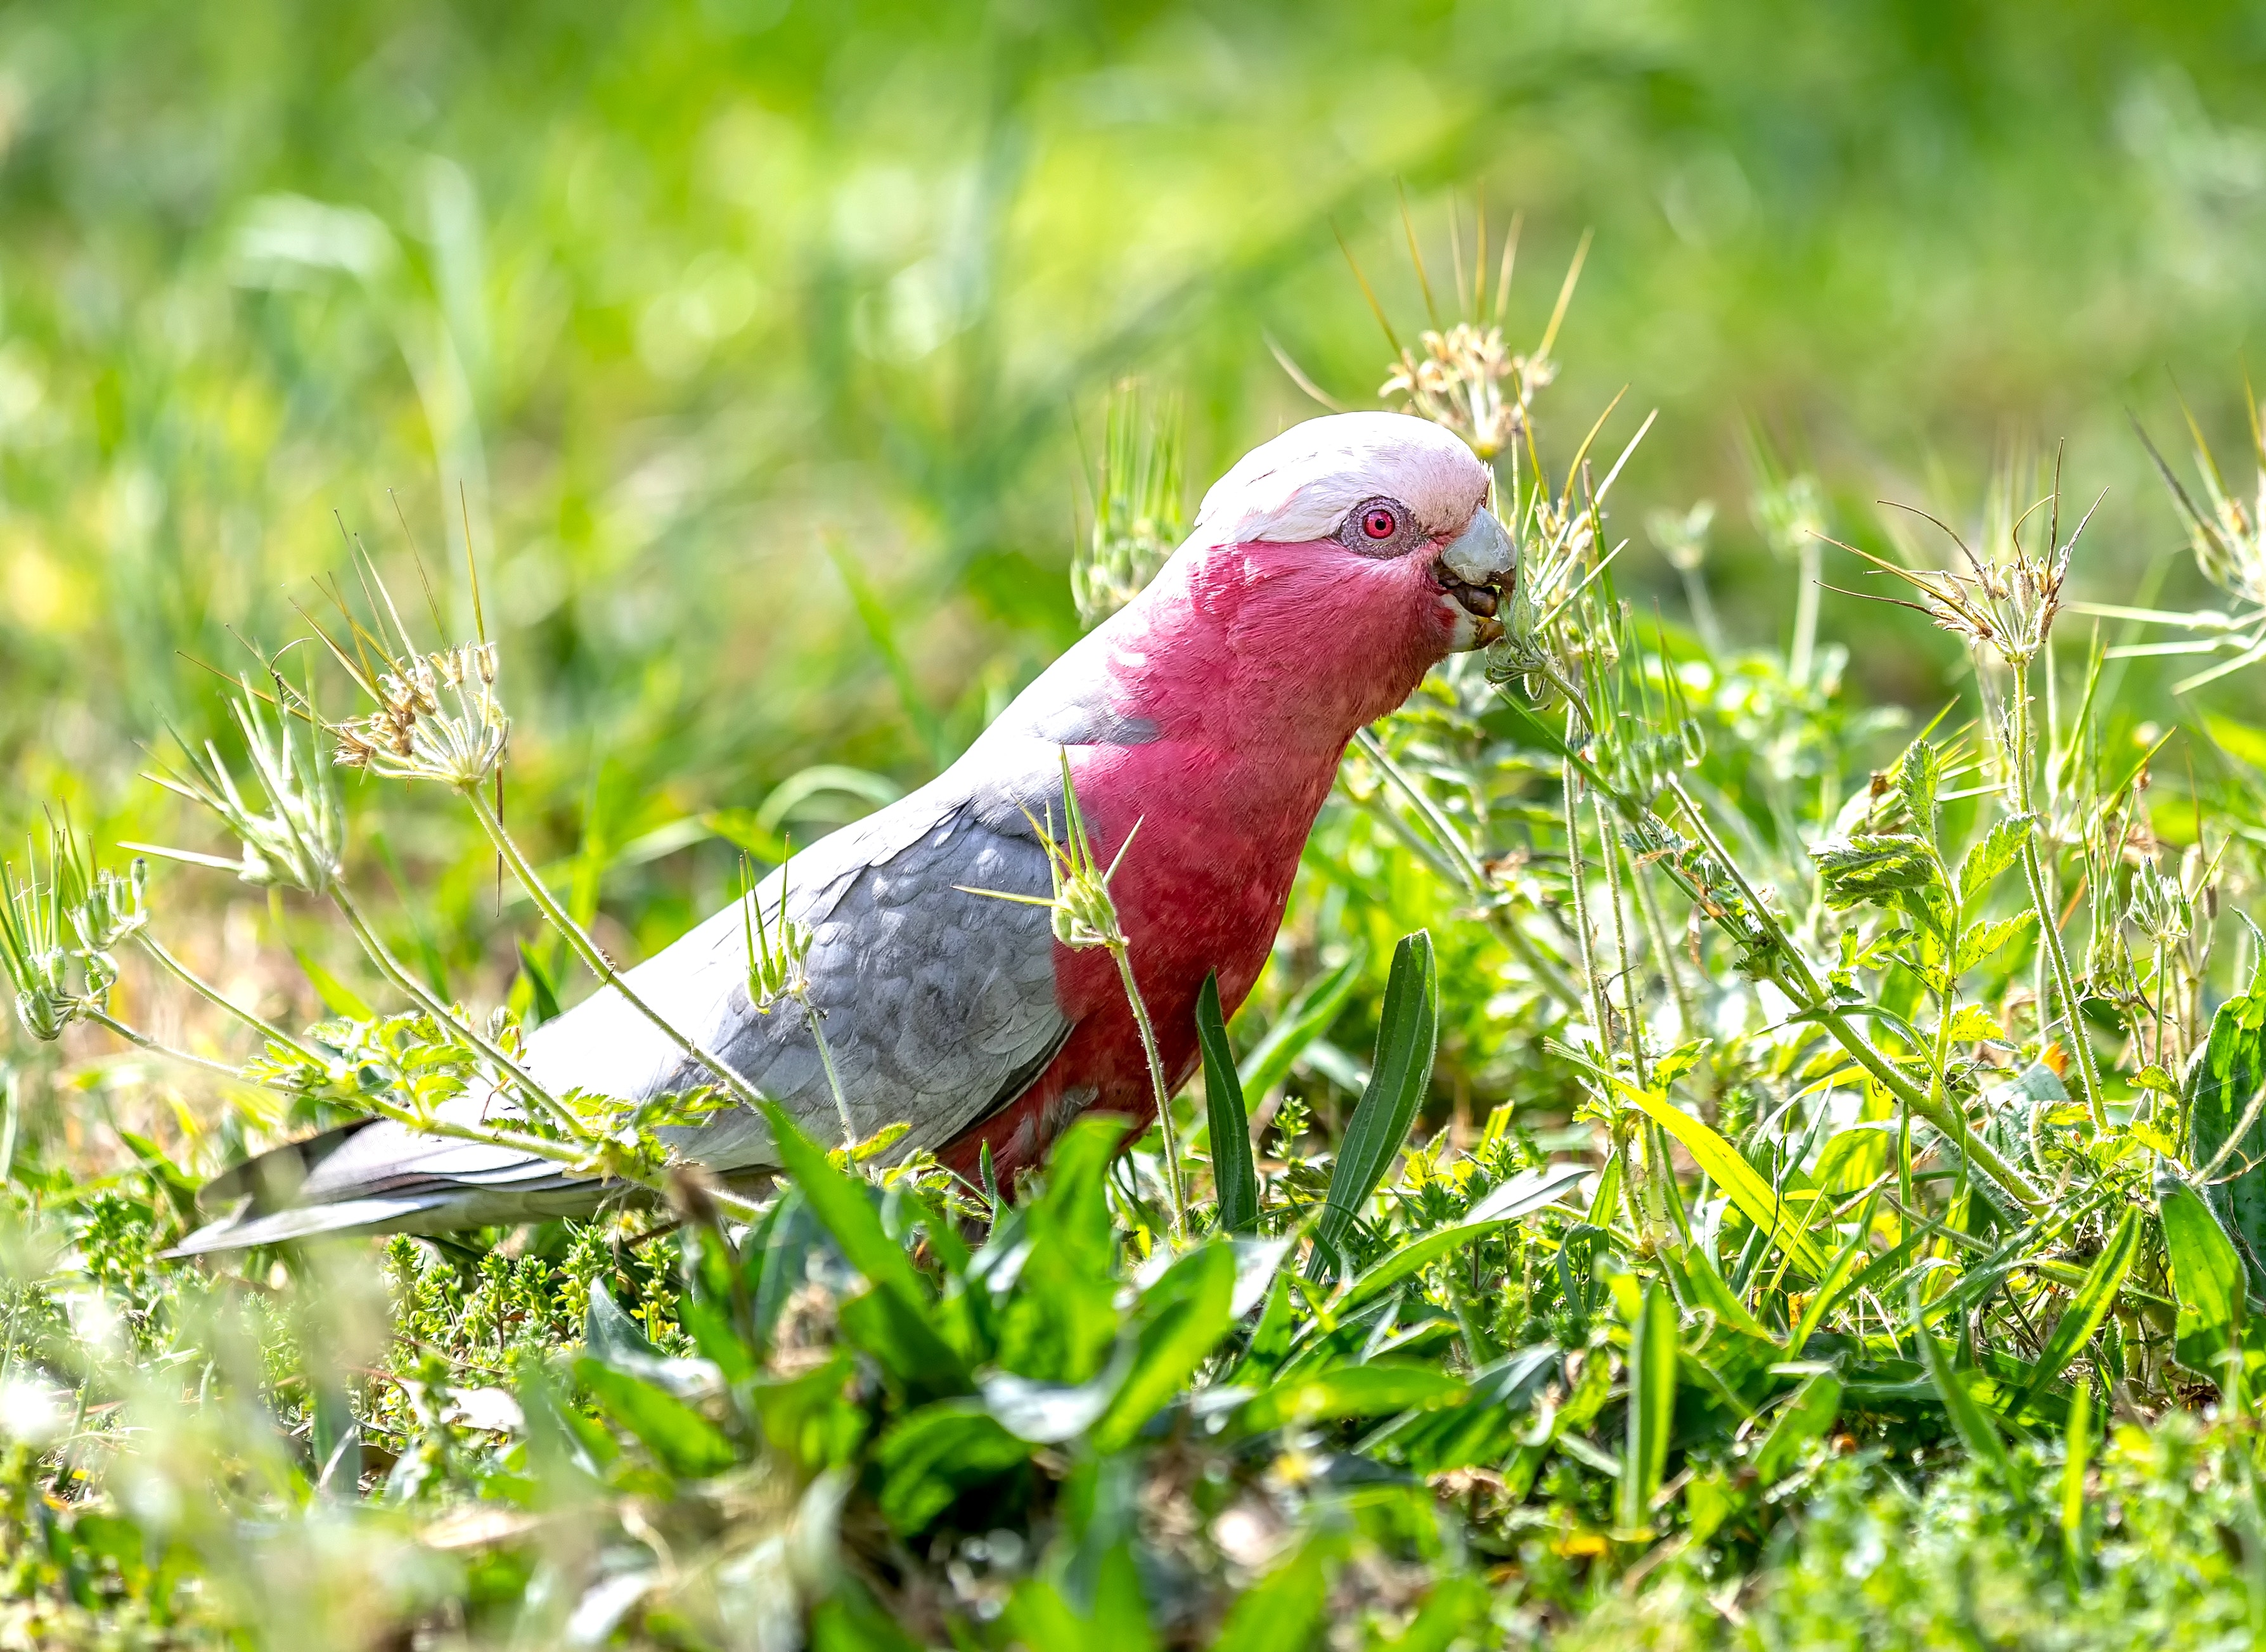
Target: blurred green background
(713, 321)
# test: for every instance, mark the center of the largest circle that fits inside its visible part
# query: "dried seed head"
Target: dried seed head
(1468, 381)
(437, 717)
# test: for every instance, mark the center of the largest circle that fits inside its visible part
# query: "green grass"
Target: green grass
(1873, 1298)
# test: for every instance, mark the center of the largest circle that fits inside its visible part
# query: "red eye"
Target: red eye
(1379, 522)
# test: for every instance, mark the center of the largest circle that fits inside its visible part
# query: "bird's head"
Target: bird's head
(1378, 522)
(1327, 572)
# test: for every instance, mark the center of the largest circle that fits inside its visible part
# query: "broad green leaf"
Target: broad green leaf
(1039, 1614)
(1653, 1350)
(1350, 1390)
(936, 1453)
(1285, 1610)
(2221, 1082)
(1307, 1017)
(1803, 1418)
(903, 1341)
(685, 1441)
(1972, 1423)
(1184, 1316)
(1479, 1428)
(1730, 1172)
(1406, 1034)
(1982, 864)
(2237, 739)
(843, 1205)
(1051, 1267)
(1230, 1124)
(612, 1338)
(2207, 1279)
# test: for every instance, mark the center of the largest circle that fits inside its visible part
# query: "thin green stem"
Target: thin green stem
(428, 1000)
(1576, 876)
(2049, 932)
(214, 996)
(143, 1041)
(1173, 1182)
(1801, 661)
(1467, 866)
(588, 950)
(1794, 976)
(1648, 906)
(810, 1013)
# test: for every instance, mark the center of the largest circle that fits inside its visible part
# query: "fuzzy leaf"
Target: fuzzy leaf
(1981, 866)
(1873, 866)
(1984, 940)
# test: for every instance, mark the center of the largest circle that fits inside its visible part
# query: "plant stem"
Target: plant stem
(430, 1003)
(1576, 874)
(1648, 906)
(143, 1041)
(810, 1014)
(1543, 969)
(588, 950)
(1805, 616)
(2042, 903)
(1798, 980)
(214, 996)
(1173, 1184)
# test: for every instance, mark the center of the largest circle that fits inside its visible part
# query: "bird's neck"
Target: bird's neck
(1268, 653)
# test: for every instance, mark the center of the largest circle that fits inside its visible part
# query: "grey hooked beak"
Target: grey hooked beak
(1478, 568)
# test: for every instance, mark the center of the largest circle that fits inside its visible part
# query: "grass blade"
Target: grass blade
(2087, 1308)
(1651, 1405)
(2075, 1460)
(1973, 1424)
(1729, 1170)
(1407, 1032)
(1232, 1175)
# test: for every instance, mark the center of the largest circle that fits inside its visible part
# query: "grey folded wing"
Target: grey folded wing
(937, 1005)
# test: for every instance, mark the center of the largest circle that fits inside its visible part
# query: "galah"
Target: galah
(1326, 573)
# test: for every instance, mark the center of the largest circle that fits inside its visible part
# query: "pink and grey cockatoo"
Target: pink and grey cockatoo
(1326, 573)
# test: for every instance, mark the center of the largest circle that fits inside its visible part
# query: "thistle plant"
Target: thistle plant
(776, 950)
(2004, 607)
(2228, 539)
(1463, 376)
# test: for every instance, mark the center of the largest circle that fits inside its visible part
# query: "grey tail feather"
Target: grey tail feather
(347, 1218)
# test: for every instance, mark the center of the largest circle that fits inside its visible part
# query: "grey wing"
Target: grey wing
(936, 1003)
